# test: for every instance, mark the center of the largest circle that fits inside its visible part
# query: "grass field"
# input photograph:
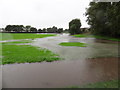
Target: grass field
(107, 38)
(78, 44)
(97, 37)
(12, 36)
(81, 35)
(105, 84)
(26, 53)
(16, 42)
(12, 53)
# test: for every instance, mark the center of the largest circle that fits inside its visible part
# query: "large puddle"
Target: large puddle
(77, 69)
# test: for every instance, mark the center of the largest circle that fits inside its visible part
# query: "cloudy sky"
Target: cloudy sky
(42, 13)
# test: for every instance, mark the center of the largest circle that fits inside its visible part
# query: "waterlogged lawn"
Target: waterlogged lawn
(78, 44)
(97, 37)
(26, 53)
(12, 53)
(105, 84)
(107, 38)
(16, 42)
(11, 36)
(82, 35)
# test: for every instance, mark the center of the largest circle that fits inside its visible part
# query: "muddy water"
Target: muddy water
(14, 40)
(77, 69)
(95, 48)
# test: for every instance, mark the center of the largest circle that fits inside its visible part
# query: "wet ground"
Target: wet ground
(81, 65)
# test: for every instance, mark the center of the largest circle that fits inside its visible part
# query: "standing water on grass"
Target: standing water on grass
(80, 65)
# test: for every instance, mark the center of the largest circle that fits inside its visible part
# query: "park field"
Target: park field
(13, 53)
(77, 44)
(21, 51)
(96, 36)
(12, 36)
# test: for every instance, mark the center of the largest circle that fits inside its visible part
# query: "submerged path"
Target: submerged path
(76, 69)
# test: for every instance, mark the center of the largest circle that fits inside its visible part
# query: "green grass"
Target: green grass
(78, 44)
(26, 53)
(12, 53)
(105, 84)
(96, 36)
(106, 38)
(74, 87)
(11, 36)
(81, 35)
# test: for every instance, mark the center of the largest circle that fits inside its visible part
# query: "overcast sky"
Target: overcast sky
(42, 13)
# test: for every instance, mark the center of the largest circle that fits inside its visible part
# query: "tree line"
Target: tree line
(21, 28)
(104, 18)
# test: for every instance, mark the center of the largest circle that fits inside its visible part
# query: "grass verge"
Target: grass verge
(105, 84)
(97, 37)
(11, 36)
(106, 38)
(26, 54)
(78, 44)
(82, 35)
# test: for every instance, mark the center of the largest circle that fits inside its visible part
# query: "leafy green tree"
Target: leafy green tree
(49, 30)
(54, 29)
(44, 30)
(28, 27)
(39, 30)
(8, 28)
(104, 18)
(32, 29)
(60, 30)
(14, 28)
(74, 26)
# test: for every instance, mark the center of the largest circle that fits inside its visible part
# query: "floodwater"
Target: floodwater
(81, 65)
(14, 40)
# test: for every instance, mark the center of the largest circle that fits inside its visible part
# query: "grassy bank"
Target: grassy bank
(105, 84)
(12, 53)
(106, 38)
(97, 37)
(78, 44)
(82, 35)
(11, 36)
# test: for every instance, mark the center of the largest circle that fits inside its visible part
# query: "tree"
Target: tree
(39, 30)
(49, 30)
(28, 27)
(60, 30)
(8, 28)
(14, 28)
(44, 30)
(74, 26)
(32, 29)
(54, 29)
(103, 18)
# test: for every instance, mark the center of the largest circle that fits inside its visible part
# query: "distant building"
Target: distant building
(85, 29)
